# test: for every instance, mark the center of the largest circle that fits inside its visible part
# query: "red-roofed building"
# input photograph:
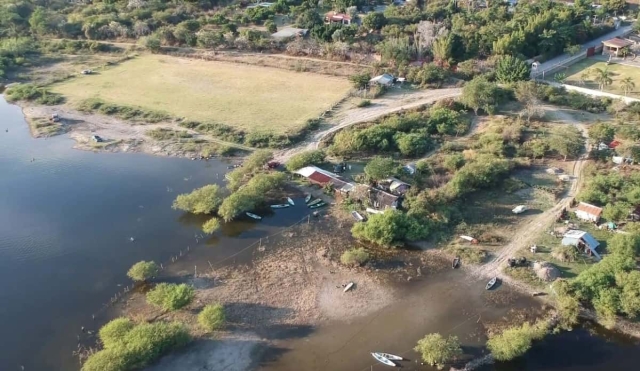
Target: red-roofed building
(614, 144)
(334, 17)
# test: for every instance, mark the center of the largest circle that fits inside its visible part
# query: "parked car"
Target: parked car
(87, 72)
(339, 168)
(97, 139)
(55, 117)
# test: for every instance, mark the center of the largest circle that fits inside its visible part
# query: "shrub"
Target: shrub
(380, 168)
(212, 317)
(114, 331)
(143, 270)
(252, 194)
(170, 296)
(204, 200)
(364, 103)
(437, 350)
(123, 112)
(211, 225)
(391, 228)
(29, 92)
(300, 160)
(515, 341)
(354, 257)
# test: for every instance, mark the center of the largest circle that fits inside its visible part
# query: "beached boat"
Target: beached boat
(357, 216)
(314, 202)
(391, 357)
(348, 287)
(492, 283)
(307, 199)
(290, 201)
(317, 205)
(383, 360)
(254, 216)
(456, 262)
(279, 206)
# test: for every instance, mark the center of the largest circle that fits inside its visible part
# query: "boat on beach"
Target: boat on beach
(317, 205)
(254, 216)
(491, 283)
(391, 357)
(348, 287)
(290, 201)
(279, 206)
(456, 262)
(383, 360)
(314, 202)
(307, 199)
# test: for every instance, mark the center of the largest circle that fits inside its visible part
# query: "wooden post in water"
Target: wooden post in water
(195, 271)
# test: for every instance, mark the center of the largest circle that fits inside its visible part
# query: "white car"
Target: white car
(519, 209)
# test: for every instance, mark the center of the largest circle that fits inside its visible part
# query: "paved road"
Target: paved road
(551, 63)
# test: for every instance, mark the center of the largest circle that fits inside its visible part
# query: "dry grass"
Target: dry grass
(247, 97)
(620, 72)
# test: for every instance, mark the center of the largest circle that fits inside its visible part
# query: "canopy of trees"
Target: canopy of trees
(251, 195)
(251, 166)
(204, 200)
(437, 350)
(390, 229)
(300, 160)
(515, 341)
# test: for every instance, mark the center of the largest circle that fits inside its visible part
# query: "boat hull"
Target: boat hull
(383, 360)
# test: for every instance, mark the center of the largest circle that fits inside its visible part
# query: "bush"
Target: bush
(114, 331)
(437, 350)
(515, 341)
(363, 103)
(123, 112)
(204, 200)
(300, 160)
(29, 92)
(211, 225)
(212, 317)
(136, 348)
(391, 228)
(380, 168)
(169, 296)
(354, 257)
(143, 270)
(251, 195)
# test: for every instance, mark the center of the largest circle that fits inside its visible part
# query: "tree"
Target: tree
(374, 21)
(354, 257)
(252, 194)
(143, 270)
(380, 168)
(413, 144)
(603, 77)
(152, 42)
(572, 49)
(390, 228)
(584, 77)
(624, 245)
(437, 350)
(538, 148)
(271, 26)
(479, 93)
(568, 308)
(300, 160)
(211, 225)
(630, 295)
(114, 331)
(528, 93)
(515, 341)
(204, 200)
(170, 296)
(512, 69)
(601, 132)
(567, 141)
(212, 317)
(627, 85)
(442, 48)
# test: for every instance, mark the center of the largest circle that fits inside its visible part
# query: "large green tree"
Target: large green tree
(567, 141)
(391, 228)
(380, 168)
(204, 200)
(515, 341)
(436, 350)
(512, 69)
(479, 93)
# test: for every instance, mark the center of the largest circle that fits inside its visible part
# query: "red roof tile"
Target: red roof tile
(319, 178)
(590, 209)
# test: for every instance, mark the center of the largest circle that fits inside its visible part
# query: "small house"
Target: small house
(335, 17)
(322, 178)
(588, 212)
(582, 240)
(615, 46)
(395, 186)
(384, 80)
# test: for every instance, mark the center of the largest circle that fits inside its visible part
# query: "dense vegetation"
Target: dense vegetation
(128, 346)
(437, 350)
(252, 194)
(204, 200)
(212, 317)
(211, 225)
(515, 341)
(170, 296)
(300, 160)
(354, 257)
(143, 270)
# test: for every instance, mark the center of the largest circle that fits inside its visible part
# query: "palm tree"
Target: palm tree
(603, 77)
(584, 76)
(627, 85)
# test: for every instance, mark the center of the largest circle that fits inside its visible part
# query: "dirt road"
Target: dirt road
(529, 232)
(390, 103)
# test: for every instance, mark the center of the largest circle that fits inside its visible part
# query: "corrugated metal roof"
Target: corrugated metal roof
(319, 178)
(590, 209)
(573, 236)
(617, 42)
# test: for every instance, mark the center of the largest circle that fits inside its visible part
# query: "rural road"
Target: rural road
(385, 105)
(528, 233)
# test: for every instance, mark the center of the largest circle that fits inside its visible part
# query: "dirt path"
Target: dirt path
(529, 232)
(389, 103)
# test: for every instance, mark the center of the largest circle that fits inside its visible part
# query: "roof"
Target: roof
(617, 42)
(589, 209)
(324, 177)
(383, 79)
(575, 234)
(614, 144)
(338, 16)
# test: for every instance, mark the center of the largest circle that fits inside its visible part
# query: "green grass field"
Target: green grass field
(246, 97)
(620, 72)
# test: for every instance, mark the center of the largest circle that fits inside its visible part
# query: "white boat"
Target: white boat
(254, 216)
(348, 287)
(374, 211)
(357, 216)
(307, 199)
(391, 357)
(491, 283)
(315, 206)
(383, 360)
(317, 200)
(280, 206)
(290, 201)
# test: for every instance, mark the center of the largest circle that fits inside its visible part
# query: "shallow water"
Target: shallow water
(66, 219)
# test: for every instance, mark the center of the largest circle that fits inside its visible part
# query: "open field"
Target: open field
(620, 72)
(246, 97)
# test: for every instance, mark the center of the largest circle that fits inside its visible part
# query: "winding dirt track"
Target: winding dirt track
(528, 233)
(389, 103)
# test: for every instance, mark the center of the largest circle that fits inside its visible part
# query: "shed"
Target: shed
(615, 46)
(395, 186)
(322, 178)
(588, 212)
(582, 240)
(384, 79)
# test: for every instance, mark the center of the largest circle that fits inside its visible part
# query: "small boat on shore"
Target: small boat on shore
(383, 360)
(317, 205)
(391, 357)
(491, 283)
(348, 287)
(314, 202)
(357, 216)
(456, 262)
(279, 206)
(254, 216)
(307, 199)
(290, 201)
